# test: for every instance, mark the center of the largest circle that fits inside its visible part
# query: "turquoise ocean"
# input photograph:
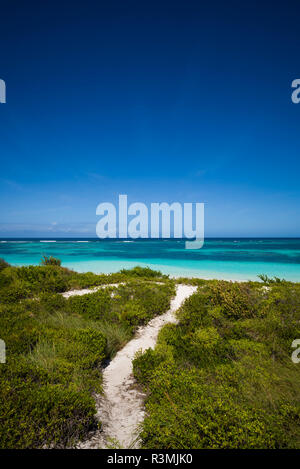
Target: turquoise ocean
(221, 258)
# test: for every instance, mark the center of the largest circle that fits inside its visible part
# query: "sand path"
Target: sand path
(121, 408)
(86, 291)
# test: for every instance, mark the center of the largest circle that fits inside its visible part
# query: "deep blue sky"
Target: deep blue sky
(164, 101)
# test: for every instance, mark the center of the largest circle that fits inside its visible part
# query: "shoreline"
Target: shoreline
(174, 272)
(182, 273)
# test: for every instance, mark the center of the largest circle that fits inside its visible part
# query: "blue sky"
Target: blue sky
(163, 101)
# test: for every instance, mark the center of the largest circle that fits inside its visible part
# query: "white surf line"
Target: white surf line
(121, 409)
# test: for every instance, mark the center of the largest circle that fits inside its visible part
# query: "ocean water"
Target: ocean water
(222, 258)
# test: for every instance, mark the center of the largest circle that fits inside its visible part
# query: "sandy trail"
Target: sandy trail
(121, 409)
(86, 291)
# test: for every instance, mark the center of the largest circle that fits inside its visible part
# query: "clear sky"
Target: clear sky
(164, 101)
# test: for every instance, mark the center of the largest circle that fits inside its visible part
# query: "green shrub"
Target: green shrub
(14, 293)
(94, 341)
(5, 280)
(132, 313)
(145, 272)
(145, 364)
(3, 264)
(50, 260)
(47, 278)
(52, 302)
(195, 310)
(89, 279)
(18, 329)
(235, 300)
(93, 305)
(34, 416)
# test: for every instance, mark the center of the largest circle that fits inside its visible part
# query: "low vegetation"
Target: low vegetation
(50, 260)
(56, 346)
(223, 376)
